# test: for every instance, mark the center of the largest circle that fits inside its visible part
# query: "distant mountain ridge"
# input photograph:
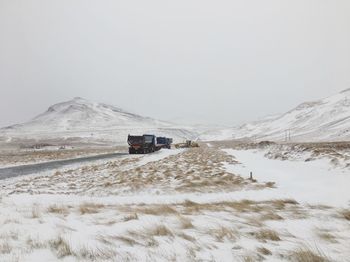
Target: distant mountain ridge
(81, 118)
(322, 120)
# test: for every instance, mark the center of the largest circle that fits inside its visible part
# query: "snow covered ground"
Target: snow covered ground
(176, 205)
(314, 182)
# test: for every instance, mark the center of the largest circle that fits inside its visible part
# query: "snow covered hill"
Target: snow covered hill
(82, 119)
(323, 120)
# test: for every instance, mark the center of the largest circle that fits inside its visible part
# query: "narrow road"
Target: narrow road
(16, 171)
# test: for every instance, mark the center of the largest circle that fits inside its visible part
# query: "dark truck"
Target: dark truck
(147, 144)
(164, 142)
(142, 144)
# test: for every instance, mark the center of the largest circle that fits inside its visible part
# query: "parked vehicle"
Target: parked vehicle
(147, 144)
(187, 144)
(164, 142)
(142, 144)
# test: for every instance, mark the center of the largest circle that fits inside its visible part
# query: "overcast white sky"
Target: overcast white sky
(198, 61)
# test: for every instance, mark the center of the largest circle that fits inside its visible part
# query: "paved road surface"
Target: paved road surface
(36, 168)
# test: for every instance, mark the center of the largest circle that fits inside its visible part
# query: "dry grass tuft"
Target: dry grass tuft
(187, 237)
(327, 237)
(290, 202)
(264, 251)
(61, 246)
(90, 208)
(282, 203)
(306, 255)
(160, 210)
(57, 173)
(270, 184)
(271, 216)
(34, 244)
(267, 234)
(185, 223)
(5, 248)
(346, 214)
(107, 184)
(223, 233)
(12, 234)
(97, 254)
(58, 209)
(35, 212)
(161, 230)
(189, 203)
(244, 206)
(126, 240)
(240, 206)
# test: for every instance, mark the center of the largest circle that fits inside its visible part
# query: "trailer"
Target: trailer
(147, 144)
(164, 142)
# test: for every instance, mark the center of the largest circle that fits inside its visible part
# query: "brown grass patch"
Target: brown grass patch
(34, 244)
(223, 233)
(90, 208)
(35, 212)
(57, 173)
(61, 246)
(254, 221)
(107, 184)
(97, 254)
(160, 210)
(346, 214)
(187, 237)
(282, 203)
(58, 209)
(5, 248)
(126, 240)
(306, 255)
(9, 235)
(270, 184)
(264, 251)
(327, 237)
(267, 234)
(185, 223)
(161, 230)
(240, 206)
(271, 216)
(320, 207)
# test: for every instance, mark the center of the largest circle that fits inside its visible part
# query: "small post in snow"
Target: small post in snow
(251, 176)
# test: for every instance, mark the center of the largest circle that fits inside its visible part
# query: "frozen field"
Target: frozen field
(180, 205)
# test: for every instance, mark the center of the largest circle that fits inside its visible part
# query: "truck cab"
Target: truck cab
(142, 144)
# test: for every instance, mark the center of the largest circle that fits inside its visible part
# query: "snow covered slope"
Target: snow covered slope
(323, 120)
(80, 118)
